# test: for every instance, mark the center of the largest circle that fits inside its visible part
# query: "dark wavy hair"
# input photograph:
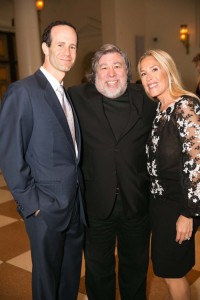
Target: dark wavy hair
(105, 49)
(46, 36)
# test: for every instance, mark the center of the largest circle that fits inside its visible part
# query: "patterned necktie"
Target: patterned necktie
(68, 113)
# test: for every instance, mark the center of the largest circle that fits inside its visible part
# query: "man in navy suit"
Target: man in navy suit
(115, 118)
(40, 163)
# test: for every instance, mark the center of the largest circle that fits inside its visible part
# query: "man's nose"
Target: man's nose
(111, 72)
(66, 51)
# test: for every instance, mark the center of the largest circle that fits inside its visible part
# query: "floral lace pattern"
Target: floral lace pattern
(182, 117)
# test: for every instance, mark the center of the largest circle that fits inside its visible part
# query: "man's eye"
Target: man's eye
(119, 66)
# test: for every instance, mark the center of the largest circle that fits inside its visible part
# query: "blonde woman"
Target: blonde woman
(173, 151)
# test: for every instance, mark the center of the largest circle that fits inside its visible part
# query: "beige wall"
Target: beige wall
(131, 24)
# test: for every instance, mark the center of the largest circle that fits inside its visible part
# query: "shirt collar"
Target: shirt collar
(52, 80)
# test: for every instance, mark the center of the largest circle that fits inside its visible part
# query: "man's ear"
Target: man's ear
(45, 48)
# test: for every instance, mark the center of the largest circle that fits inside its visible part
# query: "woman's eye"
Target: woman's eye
(155, 69)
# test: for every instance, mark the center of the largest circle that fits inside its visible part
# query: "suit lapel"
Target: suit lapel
(54, 104)
(76, 124)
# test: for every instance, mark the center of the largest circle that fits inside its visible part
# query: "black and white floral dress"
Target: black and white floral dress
(173, 151)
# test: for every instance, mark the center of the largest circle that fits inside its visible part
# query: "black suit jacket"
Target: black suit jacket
(37, 155)
(106, 161)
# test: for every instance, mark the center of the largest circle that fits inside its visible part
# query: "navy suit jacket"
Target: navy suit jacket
(37, 154)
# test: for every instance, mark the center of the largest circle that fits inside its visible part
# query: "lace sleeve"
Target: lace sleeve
(188, 121)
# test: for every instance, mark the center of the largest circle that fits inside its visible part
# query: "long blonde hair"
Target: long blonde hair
(167, 63)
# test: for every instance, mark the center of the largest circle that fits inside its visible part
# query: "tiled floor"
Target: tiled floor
(15, 261)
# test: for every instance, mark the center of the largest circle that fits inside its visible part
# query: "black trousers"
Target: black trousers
(132, 238)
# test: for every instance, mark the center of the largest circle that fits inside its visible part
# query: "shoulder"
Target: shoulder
(21, 90)
(187, 108)
(16, 88)
(187, 102)
(138, 95)
(137, 89)
(83, 92)
(82, 88)
(25, 82)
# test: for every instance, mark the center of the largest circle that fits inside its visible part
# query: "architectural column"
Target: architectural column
(27, 37)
